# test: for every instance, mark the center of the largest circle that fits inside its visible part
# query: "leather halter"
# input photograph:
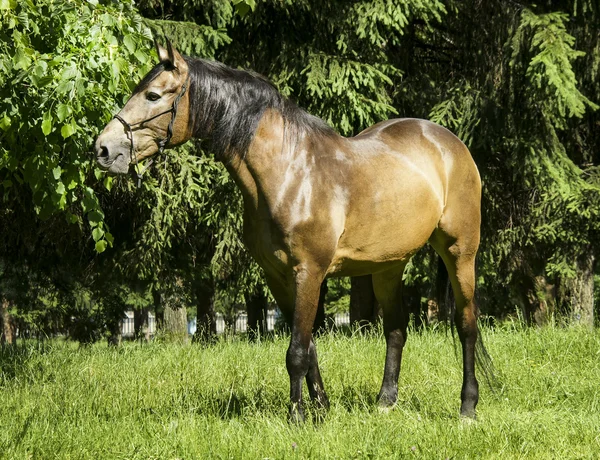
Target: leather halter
(161, 144)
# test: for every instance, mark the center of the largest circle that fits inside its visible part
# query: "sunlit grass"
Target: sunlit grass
(229, 400)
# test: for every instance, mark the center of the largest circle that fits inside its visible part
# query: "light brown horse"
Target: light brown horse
(317, 204)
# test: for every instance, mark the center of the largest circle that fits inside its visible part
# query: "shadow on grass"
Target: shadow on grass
(16, 358)
(356, 398)
(237, 404)
(362, 398)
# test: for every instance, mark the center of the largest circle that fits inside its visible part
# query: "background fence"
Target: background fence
(240, 324)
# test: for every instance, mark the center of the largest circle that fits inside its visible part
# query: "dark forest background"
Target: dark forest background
(518, 82)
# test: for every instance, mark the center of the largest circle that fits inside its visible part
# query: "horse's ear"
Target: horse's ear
(175, 58)
(163, 53)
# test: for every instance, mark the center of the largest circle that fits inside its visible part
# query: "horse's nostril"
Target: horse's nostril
(103, 152)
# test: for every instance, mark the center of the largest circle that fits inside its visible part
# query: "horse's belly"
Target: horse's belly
(381, 236)
(372, 258)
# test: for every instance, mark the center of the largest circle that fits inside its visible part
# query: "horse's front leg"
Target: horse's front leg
(301, 355)
(316, 389)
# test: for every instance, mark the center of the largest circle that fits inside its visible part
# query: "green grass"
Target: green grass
(229, 400)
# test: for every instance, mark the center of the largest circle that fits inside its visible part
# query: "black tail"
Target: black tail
(447, 311)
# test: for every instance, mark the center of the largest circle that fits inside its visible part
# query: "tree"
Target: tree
(7, 330)
(206, 324)
(517, 81)
(518, 102)
(62, 75)
(364, 310)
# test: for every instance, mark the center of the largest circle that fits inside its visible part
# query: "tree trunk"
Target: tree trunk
(140, 324)
(7, 324)
(541, 301)
(532, 291)
(581, 291)
(433, 311)
(175, 325)
(174, 312)
(114, 309)
(115, 335)
(437, 303)
(256, 308)
(175, 322)
(206, 324)
(536, 297)
(158, 309)
(411, 300)
(364, 309)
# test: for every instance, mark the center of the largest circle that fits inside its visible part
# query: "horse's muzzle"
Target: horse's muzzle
(111, 158)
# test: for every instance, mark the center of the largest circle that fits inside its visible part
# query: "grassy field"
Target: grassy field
(229, 400)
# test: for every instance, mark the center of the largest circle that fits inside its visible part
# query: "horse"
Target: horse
(317, 204)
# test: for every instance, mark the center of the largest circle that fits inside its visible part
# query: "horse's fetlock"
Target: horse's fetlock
(387, 397)
(296, 415)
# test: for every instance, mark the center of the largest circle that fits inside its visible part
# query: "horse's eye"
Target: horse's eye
(152, 96)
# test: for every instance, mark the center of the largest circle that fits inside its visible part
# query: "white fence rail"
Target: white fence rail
(241, 322)
(128, 329)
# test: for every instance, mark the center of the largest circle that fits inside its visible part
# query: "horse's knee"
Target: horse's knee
(297, 360)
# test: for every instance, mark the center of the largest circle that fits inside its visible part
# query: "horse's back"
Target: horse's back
(398, 132)
(427, 144)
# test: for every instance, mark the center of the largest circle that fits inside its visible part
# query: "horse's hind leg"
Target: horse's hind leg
(458, 255)
(388, 291)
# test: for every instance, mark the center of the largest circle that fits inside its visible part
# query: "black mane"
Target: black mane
(226, 105)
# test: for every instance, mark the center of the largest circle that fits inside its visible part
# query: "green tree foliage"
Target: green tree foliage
(64, 68)
(331, 57)
(193, 219)
(524, 105)
(518, 82)
(166, 231)
(515, 81)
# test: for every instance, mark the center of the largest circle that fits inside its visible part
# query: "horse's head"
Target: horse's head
(155, 116)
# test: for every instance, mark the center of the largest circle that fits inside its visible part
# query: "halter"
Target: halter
(162, 144)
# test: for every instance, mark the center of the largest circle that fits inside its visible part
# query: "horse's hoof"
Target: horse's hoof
(322, 402)
(468, 415)
(385, 409)
(385, 405)
(296, 416)
(467, 421)
(386, 402)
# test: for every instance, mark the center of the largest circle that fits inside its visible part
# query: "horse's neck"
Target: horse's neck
(258, 173)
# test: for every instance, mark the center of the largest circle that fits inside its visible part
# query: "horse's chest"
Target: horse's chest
(265, 244)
